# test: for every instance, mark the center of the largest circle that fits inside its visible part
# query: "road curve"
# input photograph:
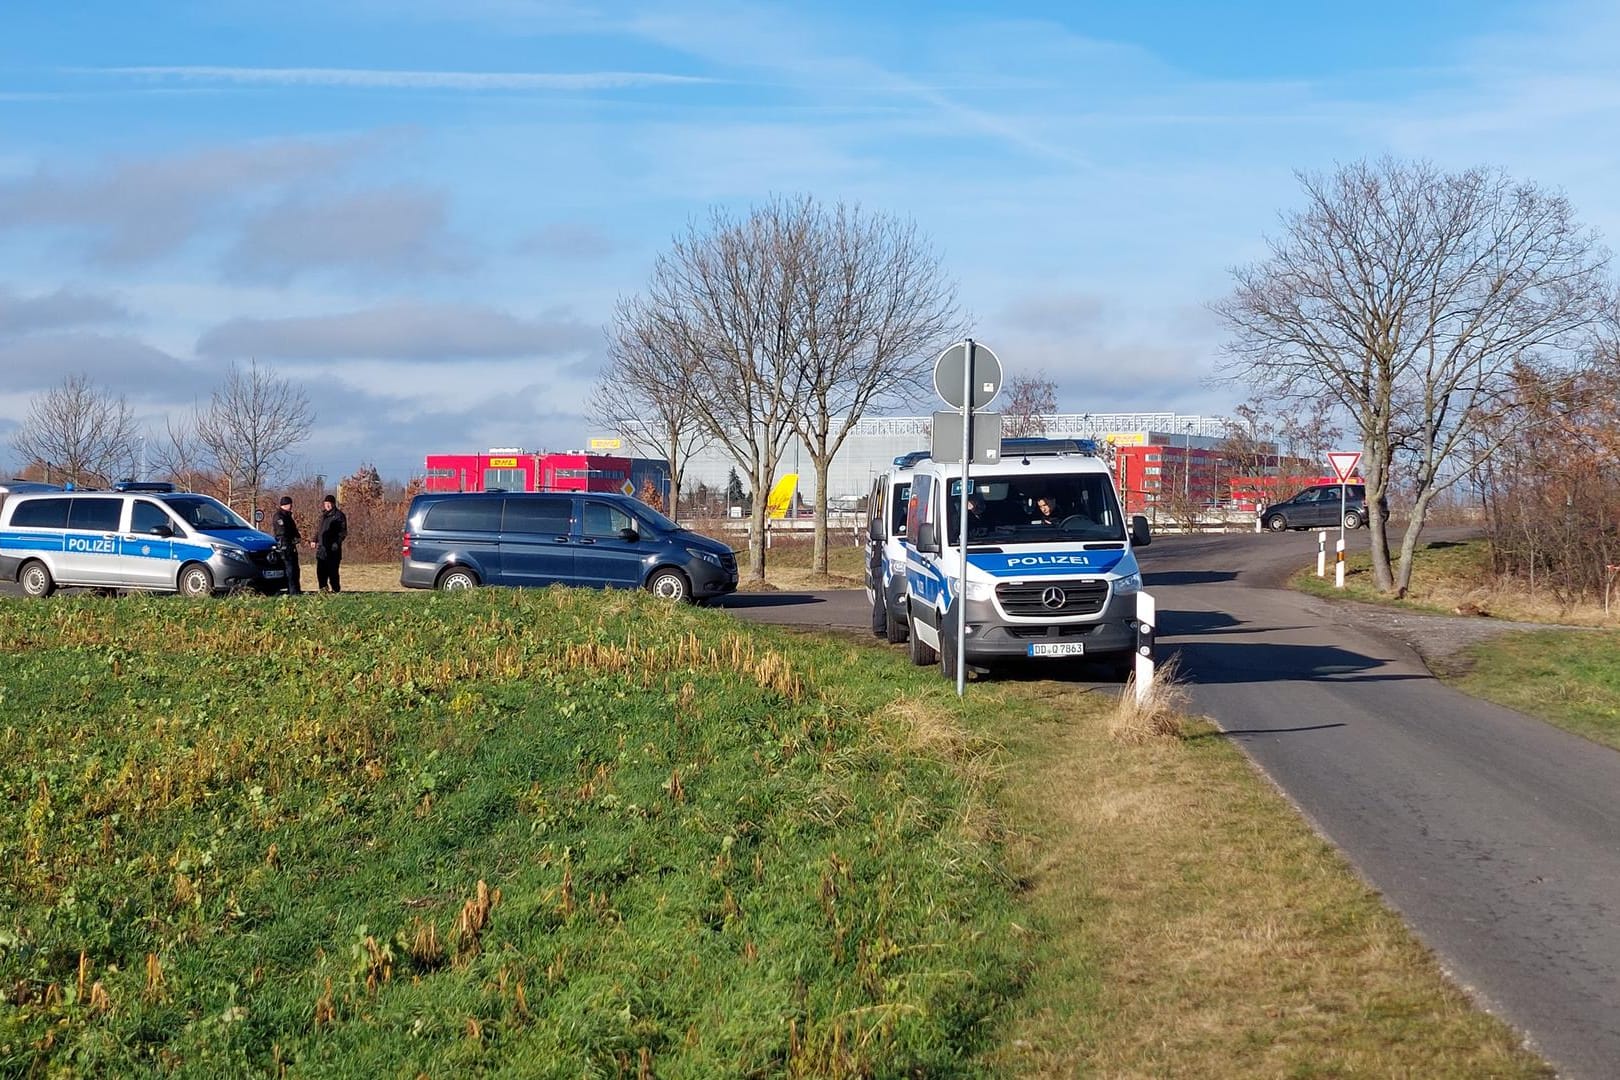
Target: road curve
(1496, 836)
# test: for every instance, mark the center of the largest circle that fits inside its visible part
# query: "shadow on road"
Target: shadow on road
(1221, 662)
(1236, 732)
(1187, 577)
(768, 600)
(1181, 624)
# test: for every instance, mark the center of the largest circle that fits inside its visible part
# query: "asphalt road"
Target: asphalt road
(1496, 836)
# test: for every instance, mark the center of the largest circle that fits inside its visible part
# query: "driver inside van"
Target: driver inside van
(1046, 511)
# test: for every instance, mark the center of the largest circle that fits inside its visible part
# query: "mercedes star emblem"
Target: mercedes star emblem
(1053, 597)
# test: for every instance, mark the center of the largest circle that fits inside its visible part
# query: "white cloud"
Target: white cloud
(373, 232)
(58, 310)
(378, 79)
(413, 332)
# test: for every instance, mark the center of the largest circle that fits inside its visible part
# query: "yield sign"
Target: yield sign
(1344, 462)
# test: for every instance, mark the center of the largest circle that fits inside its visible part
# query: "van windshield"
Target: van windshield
(205, 514)
(1025, 509)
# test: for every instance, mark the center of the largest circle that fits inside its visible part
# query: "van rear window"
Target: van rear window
(40, 514)
(464, 515)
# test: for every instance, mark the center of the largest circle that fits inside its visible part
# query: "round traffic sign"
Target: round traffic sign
(949, 369)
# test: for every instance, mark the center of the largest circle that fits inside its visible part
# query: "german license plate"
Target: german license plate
(1057, 648)
(275, 573)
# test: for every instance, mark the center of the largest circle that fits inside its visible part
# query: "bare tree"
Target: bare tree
(180, 455)
(642, 393)
(1408, 297)
(874, 311)
(251, 423)
(727, 300)
(80, 432)
(1030, 400)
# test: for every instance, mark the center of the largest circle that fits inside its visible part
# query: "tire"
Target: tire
(894, 628)
(35, 579)
(1352, 520)
(670, 584)
(1277, 523)
(922, 655)
(195, 580)
(880, 614)
(456, 579)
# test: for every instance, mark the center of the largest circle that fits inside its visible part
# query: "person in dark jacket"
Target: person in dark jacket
(329, 537)
(287, 535)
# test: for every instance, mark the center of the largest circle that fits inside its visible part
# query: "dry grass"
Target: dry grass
(1191, 924)
(1159, 714)
(368, 577)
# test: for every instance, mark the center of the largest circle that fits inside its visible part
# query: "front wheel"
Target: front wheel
(670, 585)
(457, 579)
(920, 653)
(36, 580)
(1277, 523)
(1352, 520)
(894, 628)
(196, 581)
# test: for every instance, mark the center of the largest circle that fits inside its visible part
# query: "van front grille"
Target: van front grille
(1067, 597)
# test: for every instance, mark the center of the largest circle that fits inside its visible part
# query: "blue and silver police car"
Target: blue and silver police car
(157, 540)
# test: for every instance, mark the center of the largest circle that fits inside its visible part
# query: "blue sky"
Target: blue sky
(424, 210)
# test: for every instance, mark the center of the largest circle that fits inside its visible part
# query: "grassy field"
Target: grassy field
(1568, 677)
(1451, 577)
(585, 834)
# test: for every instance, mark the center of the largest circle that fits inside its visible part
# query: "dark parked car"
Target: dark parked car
(557, 538)
(1318, 507)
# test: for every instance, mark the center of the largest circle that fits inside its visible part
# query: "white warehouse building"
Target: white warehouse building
(878, 440)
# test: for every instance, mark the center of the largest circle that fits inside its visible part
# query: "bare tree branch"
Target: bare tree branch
(1408, 297)
(251, 424)
(79, 432)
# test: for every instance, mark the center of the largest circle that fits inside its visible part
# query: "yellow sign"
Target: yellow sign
(503, 463)
(781, 497)
(606, 444)
(1127, 438)
(628, 488)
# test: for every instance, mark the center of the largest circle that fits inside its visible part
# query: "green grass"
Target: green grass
(1443, 572)
(1570, 678)
(521, 833)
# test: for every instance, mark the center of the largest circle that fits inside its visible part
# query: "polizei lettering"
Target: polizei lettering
(78, 543)
(1049, 560)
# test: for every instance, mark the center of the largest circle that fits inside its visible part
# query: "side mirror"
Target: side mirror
(1140, 536)
(163, 531)
(874, 530)
(629, 536)
(927, 538)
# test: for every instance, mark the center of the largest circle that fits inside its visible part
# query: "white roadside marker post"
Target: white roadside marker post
(1338, 567)
(1146, 621)
(1321, 553)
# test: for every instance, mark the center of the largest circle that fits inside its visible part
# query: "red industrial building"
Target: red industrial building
(1154, 475)
(526, 470)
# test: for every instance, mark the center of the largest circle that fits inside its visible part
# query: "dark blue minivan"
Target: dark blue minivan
(459, 541)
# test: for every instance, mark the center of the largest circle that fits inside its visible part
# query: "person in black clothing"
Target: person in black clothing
(286, 534)
(329, 537)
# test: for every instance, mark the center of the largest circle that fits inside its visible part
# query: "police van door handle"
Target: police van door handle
(587, 541)
(559, 540)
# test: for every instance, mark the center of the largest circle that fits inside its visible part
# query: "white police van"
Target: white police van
(885, 547)
(142, 537)
(1051, 570)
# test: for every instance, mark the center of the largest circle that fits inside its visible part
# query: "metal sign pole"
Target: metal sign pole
(962, 534)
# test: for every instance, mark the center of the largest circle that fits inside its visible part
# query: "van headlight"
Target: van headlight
(979, 590)
(226, 552)
(1128, 584)
(707, 556)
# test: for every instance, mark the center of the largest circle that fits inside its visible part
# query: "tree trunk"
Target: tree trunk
(673, 501)
(757, 511)
(819, 553)
(1376, 447)
(1414, 528)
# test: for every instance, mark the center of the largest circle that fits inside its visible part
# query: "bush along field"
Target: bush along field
(521, 833)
